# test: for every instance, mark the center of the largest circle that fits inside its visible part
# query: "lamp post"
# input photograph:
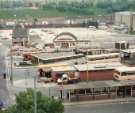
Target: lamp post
(34, 89)
(11, 58)
(87, 74)
(35, 95)
(11, 66)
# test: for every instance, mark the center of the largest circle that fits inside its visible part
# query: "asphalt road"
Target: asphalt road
(128, 107)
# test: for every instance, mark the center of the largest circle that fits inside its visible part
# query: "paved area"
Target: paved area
(109, 101)
(4, 93)
(127, 107)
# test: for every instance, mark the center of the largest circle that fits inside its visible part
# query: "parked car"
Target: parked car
(68, 80)
(25, 63)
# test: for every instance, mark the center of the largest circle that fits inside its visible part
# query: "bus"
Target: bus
(110, 57)
(124, 73)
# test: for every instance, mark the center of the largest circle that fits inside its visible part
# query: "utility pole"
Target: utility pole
(87, 74)
(35, 95)
(11, 66)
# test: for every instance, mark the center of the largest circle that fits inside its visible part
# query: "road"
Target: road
(128, 107)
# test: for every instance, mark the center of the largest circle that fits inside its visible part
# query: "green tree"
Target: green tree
(25, 104)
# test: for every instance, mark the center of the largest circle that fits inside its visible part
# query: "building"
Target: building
(71, 38)
(128, 57)
(20, 35)
(87, 72)
(97, 72)
(99, 90)
(127, 18)
(45, 58)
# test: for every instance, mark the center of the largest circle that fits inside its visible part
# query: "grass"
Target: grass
(33, 13)
(132, 33)
(40, 13)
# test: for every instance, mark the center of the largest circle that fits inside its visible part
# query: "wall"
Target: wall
(133, 22)
(97, 75)
(126, 19)
(117, 20)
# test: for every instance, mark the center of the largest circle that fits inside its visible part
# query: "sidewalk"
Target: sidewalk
(109, 101)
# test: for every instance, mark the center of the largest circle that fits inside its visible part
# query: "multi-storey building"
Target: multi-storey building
(127, 18)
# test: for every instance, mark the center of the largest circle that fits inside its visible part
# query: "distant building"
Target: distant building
(71, 38)
(128, 57)
(127, 18)
(20, 35)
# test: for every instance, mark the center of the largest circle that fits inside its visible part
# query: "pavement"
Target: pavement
(4, 93)
(109, 101)
(48, 90)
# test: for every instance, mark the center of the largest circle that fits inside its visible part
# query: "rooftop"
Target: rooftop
(51, 33)
(129, 51)
(63, 69)
(101, 66)
(98, 84)
(125, 12)
(20, 32)
(125, 69)
(103, 55)
(51, 56)
(98, 38)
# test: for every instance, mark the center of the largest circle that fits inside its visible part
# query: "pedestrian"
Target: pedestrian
(4, 76)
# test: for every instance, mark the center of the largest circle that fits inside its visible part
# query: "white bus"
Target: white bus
(124, 73)
(110, 57)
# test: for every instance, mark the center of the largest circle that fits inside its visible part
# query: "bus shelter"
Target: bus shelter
(97, 90)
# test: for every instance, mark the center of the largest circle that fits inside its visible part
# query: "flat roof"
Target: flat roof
(52, 65)
(97, 38)
(102, 55)
(63, 69)
(101, 66)
(125, 13)
(125, 69)
(51, 33)
(51, 56)
(129, 51)
(98, 84)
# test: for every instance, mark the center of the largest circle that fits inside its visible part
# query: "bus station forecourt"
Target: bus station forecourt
(23, 77)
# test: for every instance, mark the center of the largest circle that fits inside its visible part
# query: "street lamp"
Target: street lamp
(11, 58)
(34, 89)
(35, 94)
(87, 74)
(11, 66)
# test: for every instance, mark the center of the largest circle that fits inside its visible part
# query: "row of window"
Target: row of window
(71, 43)
(125, 73)
(93, 91)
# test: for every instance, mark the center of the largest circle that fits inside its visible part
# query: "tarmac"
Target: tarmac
(97, 102)
(11, 93)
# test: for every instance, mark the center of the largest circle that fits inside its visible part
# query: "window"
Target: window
(88, 91)
(112, 89)
(97, 90)
(81, 91)
(124, 74)
(130, 73)
(117, 72)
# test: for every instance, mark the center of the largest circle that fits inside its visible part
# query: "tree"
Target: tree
(25, 104)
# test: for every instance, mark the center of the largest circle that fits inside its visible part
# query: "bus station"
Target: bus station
(99, 90)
